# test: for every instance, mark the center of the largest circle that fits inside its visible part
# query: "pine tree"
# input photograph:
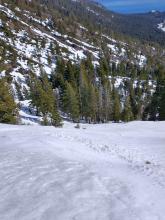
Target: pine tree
(44, 100)
(156, 109)
(69, 73)
(70, 103)
(132, 98)
(92, 103)
(90, 69)
(162, 106)
(8, 108)
(127, 112)
(162, 100)
(152, 110)
(103, 70)
(107, 101)
(116, 107)
(88, 99)
(83, 91)
(100, 104)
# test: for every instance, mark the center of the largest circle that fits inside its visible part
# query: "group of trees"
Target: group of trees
(89, 93)
(156, 108)
(81, 92)
(84, 92)
(43, 100)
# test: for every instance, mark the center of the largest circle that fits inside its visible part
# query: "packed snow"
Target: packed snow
(105, 172)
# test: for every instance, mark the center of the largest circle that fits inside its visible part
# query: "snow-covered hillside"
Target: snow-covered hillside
(107, 172)
(161, 26)
(34, 42)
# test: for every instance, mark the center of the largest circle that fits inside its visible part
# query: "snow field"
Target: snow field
(108, 172)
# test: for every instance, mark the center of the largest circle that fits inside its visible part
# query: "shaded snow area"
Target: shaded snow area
(97, 172)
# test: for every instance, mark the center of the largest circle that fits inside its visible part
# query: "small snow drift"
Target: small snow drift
(109, 171)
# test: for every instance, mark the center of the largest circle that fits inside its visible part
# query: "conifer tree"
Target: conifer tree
(156, 109)
(161, 85)
(162, 106)
(57, 78)
(92, 103)
(90, 69)
(103, 70)
(83, 91)
(70, 102)
(127, 112)
(116, 107)
(132, 98)
(69, 73)
(44, 100)
(8, 108)
(100, 104)
(107, 101)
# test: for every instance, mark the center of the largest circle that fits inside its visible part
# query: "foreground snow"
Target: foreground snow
(104, 172)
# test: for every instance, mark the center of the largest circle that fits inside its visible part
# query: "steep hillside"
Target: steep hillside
(144, 26)
(140, 26)
(68, 47)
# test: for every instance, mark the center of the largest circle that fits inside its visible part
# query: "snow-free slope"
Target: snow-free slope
(107, 172)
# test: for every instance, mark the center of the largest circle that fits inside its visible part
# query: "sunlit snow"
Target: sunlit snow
(98, 172)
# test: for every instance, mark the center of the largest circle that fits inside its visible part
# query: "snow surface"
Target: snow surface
(161, 26)
(104, 172)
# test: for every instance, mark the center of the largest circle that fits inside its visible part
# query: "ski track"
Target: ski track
(98, 172)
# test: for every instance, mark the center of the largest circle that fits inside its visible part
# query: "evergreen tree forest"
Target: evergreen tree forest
(87, 93)
(84, 92)
(110, 84)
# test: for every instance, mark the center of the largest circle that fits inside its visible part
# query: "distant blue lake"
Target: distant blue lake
(133, 6)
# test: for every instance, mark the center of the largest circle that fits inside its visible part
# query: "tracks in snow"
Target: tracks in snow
(68, 174)
(135, 158)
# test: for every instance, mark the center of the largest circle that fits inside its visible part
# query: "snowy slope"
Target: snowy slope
(31, 44)
(107, 172)
(161, 26)
(36, 41)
